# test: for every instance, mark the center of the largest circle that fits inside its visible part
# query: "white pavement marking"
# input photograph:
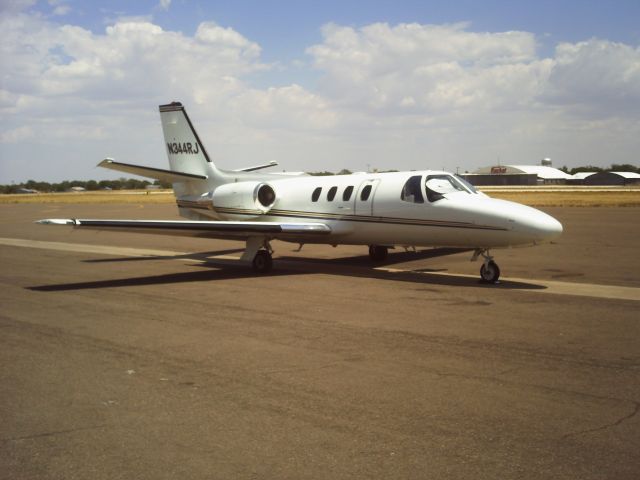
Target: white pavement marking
(615, 292)
(102, 249)
(84, 248)
(551, 286)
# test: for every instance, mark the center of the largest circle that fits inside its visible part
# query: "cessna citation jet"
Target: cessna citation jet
(381, 210)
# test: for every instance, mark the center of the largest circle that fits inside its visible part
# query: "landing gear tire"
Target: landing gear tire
(262, 262)
(378, 253)
(490, 272)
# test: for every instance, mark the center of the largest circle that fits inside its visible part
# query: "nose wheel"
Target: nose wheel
(489, 271)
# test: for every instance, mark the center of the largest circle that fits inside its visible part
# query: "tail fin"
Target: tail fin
(184, 148)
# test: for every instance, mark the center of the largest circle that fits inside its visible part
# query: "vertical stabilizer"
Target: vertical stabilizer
(184, 148)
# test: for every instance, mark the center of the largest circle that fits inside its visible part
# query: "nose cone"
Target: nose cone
(537, 226)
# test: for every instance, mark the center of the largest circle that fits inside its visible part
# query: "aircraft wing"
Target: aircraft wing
(211, 229)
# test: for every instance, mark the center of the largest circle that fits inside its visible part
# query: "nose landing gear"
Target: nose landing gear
(489, 271)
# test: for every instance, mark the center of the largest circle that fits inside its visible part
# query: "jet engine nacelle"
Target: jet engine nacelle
(252, 196)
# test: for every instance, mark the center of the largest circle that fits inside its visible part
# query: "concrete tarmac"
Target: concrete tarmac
(142, 356)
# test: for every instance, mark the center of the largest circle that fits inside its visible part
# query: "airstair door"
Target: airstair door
(364, 197)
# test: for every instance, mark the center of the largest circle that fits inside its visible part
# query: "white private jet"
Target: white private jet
(381, 210)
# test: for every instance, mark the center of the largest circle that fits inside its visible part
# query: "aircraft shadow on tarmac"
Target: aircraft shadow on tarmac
(357, 266)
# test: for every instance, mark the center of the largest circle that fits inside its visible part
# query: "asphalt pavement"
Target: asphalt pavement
(140, 356)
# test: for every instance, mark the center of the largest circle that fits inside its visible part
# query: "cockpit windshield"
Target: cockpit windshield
(467, 185)
(440, 185)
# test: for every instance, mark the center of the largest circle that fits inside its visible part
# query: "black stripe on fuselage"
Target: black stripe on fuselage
(345, 218)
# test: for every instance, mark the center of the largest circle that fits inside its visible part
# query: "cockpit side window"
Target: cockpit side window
(439, 185)
(412, 190)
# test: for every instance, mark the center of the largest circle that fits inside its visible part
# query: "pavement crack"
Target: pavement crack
(629, 416)
(51, 434)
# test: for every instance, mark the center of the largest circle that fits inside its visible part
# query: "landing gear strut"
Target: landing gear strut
(489, 271)
(378, 253)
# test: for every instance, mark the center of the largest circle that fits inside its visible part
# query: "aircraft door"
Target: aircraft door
(364, 197)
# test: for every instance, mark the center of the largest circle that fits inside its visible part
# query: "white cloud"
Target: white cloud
(439, 68)
(16, 135)
(164, 5)
(14, 6)
(59, 7)
(596, 78)
(444, 92)
(403, 96)
(133, 59)
(289, 108)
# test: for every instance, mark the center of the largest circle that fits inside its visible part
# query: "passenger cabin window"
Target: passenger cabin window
(439, 185)
(332, 193)
(316, 194)
(366, 191)
(346, 195)
(412, 190)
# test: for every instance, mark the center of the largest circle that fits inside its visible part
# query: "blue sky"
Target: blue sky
(284, 28)
(320, 84)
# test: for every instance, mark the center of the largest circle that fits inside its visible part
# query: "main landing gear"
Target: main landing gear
(378, 253)
(258, 251)
(262, 262)
(489, 271)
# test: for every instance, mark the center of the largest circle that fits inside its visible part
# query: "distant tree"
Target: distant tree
(588, 168)
(624, 167)
(321, 174)
(162, 184)
(344, 171)
(129, 183)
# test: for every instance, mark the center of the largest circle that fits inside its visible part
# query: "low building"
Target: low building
(612, 178)
(543, 174)
(488, 179)
(579, 177)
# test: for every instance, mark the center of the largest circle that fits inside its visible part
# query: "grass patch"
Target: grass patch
(127, 196)
(598, 198)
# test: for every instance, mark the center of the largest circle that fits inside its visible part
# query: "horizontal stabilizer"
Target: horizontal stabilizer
(198, 228)
(272, 163)
(150, 172)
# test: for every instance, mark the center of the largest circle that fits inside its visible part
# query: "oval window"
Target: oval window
(346, 195)
(366, 191)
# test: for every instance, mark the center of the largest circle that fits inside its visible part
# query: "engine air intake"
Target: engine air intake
(266, 195)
